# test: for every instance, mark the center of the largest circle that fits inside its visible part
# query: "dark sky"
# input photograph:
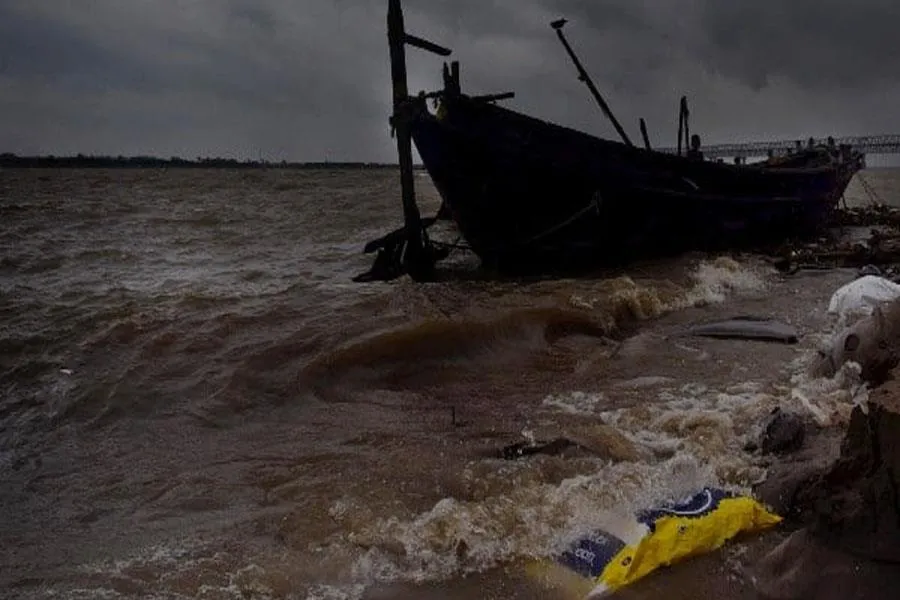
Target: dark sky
(309, 79)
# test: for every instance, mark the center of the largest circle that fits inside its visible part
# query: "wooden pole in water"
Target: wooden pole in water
(583, 76)
(415, 258)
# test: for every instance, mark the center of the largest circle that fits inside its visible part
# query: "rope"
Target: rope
(594, 204)
(870, 191)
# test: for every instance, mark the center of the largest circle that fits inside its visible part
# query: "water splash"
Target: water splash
(716, 280)
(459, 537)
(622, 299)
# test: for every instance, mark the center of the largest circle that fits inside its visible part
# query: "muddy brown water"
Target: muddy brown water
(197, 402)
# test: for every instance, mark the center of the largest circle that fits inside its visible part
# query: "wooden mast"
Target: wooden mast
(414, 257)
(417, 257)
(684, 128)
(644, 135)
(583, 76)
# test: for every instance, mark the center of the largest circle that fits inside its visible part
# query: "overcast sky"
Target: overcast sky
(309, 79)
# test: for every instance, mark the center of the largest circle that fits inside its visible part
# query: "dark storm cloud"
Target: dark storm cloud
(216, 77)
(33, 47)
(308, 79)
(821, 44)
(750, 69)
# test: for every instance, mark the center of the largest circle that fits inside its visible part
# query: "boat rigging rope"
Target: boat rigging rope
(593, 204)
(870, 191)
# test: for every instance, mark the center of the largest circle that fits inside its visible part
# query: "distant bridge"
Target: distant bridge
(869, 144)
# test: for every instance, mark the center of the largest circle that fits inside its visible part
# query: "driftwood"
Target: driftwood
(881, 247)
(867, 216)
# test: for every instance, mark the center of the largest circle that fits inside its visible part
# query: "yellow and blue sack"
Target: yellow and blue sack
(601, 562)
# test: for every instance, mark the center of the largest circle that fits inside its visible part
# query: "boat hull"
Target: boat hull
(530, 195)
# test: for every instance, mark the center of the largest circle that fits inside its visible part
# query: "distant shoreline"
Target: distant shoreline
(80, 161)
(150, 162)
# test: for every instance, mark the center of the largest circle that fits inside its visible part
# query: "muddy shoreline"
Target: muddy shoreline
(744, 568)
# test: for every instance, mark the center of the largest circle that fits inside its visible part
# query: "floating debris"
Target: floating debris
(748, 328)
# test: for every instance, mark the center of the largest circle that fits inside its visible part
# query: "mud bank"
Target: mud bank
(847, 513)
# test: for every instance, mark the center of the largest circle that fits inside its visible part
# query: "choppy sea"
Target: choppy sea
(196, 401)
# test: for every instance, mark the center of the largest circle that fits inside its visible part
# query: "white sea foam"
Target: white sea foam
(715, 425)
(458, 537)
(576, 402)
(712, 283)
(192, 570)
(716, 280)
(333, 592)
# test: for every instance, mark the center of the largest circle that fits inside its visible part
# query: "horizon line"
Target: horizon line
(14, 159)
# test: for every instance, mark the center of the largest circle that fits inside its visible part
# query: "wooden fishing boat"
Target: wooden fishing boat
(528, 195)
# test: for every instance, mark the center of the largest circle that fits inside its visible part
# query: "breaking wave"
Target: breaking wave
(604, 309)
(689, 437)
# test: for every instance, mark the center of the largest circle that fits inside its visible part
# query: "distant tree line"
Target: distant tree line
(109, 162)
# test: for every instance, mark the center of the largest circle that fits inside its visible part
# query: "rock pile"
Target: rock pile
(847, 545)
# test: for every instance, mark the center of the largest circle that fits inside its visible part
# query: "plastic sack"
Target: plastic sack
(601, 562)
(859, 297)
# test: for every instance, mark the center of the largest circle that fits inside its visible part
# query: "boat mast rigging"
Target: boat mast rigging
(557, 25)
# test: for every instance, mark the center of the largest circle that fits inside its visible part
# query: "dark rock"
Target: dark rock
(784, 433)
(856, 504)
(794, 472)
(869, 270)
(851, 547)
(781, 489)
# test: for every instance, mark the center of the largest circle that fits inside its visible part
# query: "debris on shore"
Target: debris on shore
(840, 491)
(880, 248)
(748, 328)
(848, 541)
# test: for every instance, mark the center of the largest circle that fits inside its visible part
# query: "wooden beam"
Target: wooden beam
(415, 256)
(644, 134)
